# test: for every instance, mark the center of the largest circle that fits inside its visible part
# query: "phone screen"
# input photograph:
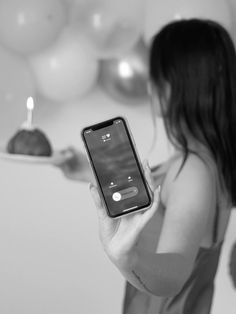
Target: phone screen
(115, 164)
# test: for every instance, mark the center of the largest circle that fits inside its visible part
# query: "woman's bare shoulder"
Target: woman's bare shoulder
(182, 174)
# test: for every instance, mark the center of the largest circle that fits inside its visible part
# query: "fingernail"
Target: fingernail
(67, 153)
(91, 186)
(157, 194)
(146, 164)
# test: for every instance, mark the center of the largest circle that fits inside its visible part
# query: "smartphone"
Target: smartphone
(116, 166)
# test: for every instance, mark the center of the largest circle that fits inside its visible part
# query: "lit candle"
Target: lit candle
(30, 107)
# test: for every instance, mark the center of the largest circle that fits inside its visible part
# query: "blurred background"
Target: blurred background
(82, 61)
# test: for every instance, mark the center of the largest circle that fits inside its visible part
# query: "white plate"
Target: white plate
(56, 158)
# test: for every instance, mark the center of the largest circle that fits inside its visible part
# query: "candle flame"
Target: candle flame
(30, 103)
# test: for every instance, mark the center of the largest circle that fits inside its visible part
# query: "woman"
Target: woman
(169, 254)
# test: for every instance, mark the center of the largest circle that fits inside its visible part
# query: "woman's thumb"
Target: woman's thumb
(97, 200)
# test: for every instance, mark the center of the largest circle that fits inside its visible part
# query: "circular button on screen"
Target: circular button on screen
(125, 193)
(116, 197)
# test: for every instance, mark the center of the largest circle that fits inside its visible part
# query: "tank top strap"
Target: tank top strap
(216, 225)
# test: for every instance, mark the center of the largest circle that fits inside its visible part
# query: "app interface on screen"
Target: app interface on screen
(116, 168)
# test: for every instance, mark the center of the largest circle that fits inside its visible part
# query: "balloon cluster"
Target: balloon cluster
(61, 48)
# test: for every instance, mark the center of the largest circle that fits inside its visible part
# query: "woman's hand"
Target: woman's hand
(74, 165)
(119, 236)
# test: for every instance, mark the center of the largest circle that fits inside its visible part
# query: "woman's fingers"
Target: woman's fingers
(63, 156)
(148, 214)
(95, 195)
(98, 202)
(148, 174)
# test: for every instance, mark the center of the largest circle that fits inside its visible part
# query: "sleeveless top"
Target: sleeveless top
(195, 296)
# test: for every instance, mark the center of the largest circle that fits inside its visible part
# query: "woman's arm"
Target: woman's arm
(158, 274)
(188, 199)
(74, 165)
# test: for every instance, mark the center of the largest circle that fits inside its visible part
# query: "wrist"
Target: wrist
(124, 260)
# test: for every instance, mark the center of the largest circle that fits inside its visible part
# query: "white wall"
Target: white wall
(51, 260)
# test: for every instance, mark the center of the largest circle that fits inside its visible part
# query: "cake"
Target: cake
(29, 142)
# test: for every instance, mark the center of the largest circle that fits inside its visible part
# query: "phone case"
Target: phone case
(148, 189)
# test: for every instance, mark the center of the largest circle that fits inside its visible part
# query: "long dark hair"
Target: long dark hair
(198, 60)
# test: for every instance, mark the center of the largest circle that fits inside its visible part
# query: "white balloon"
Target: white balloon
(66, 70)
(112, 27)
(27, 26)
(160, 12)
